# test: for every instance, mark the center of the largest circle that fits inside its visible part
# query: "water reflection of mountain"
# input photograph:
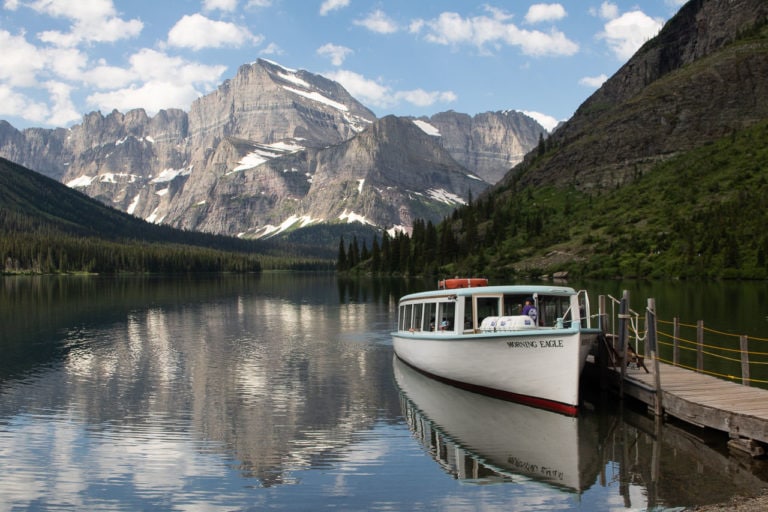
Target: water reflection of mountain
(275, 376)
(483, 439)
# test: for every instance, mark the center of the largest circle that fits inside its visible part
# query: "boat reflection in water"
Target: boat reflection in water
(482, 439)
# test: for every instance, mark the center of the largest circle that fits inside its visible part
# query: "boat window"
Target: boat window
(486, 306)
(447, 316)
(468, 314)
(417, 310)
(406, 311)
(552, 308)
(513, 304)
(430, 313)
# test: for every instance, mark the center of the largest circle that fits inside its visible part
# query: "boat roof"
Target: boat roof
(490, 290)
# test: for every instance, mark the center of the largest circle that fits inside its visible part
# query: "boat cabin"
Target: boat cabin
(493, 309)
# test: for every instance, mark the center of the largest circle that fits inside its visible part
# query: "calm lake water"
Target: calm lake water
(281, 392)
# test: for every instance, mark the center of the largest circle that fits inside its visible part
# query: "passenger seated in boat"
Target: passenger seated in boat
(530, 310)
(444, 325)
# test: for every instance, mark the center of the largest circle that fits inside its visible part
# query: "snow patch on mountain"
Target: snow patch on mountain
(294, 80)
(351, 217)
(169, 174)
(264, 153)
(316, 96)
(427, 128)
(81, 181)
(444, 196)
(132, 207)
(270, 230)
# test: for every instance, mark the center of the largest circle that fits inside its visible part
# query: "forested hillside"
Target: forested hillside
(46, 227)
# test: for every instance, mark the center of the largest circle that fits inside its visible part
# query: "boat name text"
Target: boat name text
(528, 467)
(558, 343)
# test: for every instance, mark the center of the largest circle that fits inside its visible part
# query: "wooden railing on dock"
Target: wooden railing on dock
(717, 397)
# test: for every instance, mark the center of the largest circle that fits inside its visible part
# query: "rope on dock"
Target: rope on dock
(694, 326)
(723, 349)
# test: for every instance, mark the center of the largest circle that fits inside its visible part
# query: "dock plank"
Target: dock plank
(702, 399)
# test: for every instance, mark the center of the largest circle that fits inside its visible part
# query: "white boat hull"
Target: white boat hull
(540, 368)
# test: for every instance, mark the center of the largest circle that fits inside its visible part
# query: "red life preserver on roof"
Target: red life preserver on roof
(461, 282)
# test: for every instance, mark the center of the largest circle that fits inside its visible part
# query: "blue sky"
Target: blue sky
(60, 59)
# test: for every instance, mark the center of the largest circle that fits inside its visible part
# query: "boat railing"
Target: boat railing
(584, 316)
(726, 355)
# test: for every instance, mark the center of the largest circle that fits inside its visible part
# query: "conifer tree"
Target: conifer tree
(341, 261)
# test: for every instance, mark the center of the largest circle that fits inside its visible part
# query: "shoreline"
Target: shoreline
(757, 503)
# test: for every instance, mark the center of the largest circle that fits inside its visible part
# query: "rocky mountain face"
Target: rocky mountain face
(490, 143)
(273, 149)
(684, 88)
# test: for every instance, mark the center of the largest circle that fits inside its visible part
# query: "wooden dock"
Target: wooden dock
(703, 401)
(690, 395)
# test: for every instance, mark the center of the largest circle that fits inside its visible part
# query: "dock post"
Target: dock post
(676, 341)
(623, 338)
(650, 322)
(700, 346)
(744, 345)
(602, 350)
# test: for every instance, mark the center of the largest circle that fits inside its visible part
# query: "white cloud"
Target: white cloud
(332, 5)
(416, 26)
(483, 31)
(63, 111)
(364, 89)
(593, 81)
(151, 96)
(13, 103)
(197, 32)
(627, 33)
(336, 53)
(545, 12)
(151, 65)
(373, 93)
(107, 77)
(224, 5)
(154, 81)
(379, 22)
(94, 21)
(20, 67)
(607, 11)
(272, 49)
(548, 122)
(66, 63)
(422, 98)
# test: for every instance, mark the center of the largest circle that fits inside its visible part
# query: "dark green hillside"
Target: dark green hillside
(700, 214)
(47, 227)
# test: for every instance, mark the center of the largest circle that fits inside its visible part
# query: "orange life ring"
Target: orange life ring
(461, 282)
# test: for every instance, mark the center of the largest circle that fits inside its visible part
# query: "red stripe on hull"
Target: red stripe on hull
(541, 403)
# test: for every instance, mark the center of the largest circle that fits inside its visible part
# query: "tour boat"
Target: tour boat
(522, 343)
